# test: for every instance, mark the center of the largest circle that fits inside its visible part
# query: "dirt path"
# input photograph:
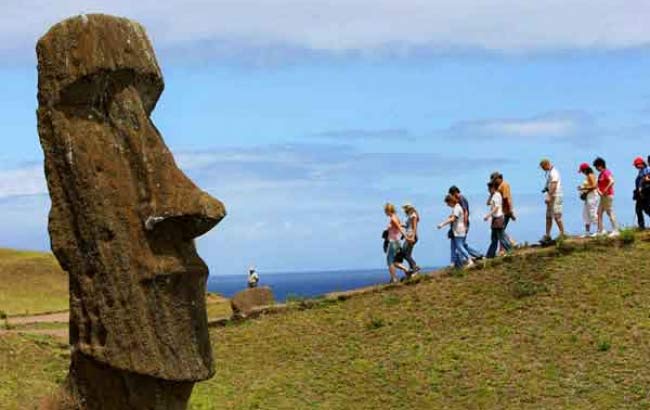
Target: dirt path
(59, 317)
(29, 325)
(57, 333)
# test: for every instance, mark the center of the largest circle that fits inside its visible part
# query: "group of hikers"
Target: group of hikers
(596, 192)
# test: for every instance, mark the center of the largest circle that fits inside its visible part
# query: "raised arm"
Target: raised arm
(447, 221)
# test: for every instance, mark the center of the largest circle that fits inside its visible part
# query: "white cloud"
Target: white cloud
(533, 128)
(551, 125)
(28, 180)
(355, 25)
(393, 134)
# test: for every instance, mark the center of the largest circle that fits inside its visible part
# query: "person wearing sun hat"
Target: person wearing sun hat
(642, 191)
(589, 197)
(411, 238)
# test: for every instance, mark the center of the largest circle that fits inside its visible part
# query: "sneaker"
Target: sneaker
(602, 233)
(393, 280)
(593, 235)
(614, 233)
(470, 264)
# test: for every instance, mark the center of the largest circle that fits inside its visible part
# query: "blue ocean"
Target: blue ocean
(302, 284)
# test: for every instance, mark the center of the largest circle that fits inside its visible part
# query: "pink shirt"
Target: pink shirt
(394, 233)
(604, 179)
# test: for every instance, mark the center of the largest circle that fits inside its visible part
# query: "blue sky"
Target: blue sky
(305, 117)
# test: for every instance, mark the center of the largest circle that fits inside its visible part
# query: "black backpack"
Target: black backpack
(384, 236)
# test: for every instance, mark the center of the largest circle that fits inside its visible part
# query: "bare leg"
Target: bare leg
(560, 224)
(549, 226)
(612, 218)
(402, 267)
(601, 211)
(392, 272)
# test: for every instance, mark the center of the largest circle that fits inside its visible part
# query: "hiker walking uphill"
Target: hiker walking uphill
(641, 195)
(553, 198)
(589, 197)
(411, 237)
(606, 192)
(462, 201)
(459, 254)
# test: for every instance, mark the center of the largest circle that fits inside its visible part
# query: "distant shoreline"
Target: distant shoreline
(287, 285)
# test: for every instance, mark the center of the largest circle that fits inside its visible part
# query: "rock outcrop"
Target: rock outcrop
(123, 220)
(244, 302)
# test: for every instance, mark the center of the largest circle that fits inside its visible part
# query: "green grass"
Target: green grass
(566, 328)
(217, 306)
(31, 282)
(31, 367)
(568, 331)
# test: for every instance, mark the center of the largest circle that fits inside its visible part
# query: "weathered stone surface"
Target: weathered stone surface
(245, 301)
(123, 218)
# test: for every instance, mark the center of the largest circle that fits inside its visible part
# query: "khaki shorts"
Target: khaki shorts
(606, 203)
(554, 209)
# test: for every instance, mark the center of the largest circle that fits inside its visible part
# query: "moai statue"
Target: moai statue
(123, 221)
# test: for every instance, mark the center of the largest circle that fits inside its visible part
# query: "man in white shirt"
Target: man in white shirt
(553, 199)
(253, 278)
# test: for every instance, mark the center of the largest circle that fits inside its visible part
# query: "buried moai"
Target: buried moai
(123, 221)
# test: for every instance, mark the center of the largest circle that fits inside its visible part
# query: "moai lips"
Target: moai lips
(123, 217)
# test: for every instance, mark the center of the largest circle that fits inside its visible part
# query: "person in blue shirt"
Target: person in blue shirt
(642, 191)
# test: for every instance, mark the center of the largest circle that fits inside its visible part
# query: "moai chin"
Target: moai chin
(123, 220)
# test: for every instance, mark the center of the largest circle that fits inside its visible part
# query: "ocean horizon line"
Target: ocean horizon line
(307, 272)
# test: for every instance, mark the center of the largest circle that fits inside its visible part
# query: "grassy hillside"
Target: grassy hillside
(539, 332)
(31, 367)
(569, 329)
(31, 282)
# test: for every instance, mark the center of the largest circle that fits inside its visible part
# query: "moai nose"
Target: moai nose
(191, 214)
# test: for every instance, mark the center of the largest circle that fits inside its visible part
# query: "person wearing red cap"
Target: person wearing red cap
(589, 197)
(642, 191)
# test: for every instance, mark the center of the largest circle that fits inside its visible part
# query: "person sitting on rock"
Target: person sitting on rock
(253, 278)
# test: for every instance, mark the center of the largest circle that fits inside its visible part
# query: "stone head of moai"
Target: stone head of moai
(123, 218)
